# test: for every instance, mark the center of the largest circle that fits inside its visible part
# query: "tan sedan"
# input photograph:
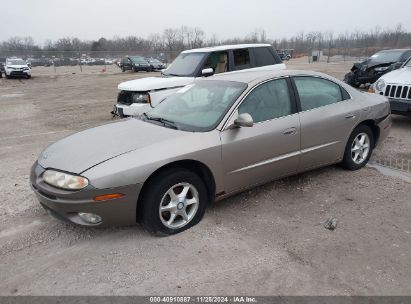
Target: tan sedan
(215, 137)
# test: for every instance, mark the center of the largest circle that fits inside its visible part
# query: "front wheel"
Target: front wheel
(359, 148)
(174, 200)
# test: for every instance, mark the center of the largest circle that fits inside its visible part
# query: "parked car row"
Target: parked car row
(284, 55)
(140, 63)
(36, 62)
(96, 61)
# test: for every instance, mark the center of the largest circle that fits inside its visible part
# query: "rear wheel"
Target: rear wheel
(175, 200)
(359, 148)
(123, 69)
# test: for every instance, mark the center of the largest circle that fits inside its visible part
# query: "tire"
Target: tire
(123, 69)
(351, 160)
(351, 79)
(28, 76)
(156, 195)
(7, 76)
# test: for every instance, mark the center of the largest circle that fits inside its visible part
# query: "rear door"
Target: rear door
(270, 148)
(240, 59)
(328, 115)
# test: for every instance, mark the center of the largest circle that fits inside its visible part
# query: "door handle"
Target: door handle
(349, 116)
(290, 131)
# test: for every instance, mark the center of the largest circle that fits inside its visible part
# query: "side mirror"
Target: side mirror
(244, 120)
(207, 72)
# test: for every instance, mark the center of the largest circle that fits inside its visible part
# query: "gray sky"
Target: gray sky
(92, 19)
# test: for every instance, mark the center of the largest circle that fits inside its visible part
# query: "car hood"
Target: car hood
(400, 76)
(17, 66)
(81, 151)
(154, 83)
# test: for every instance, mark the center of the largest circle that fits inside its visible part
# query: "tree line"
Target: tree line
(173, 40)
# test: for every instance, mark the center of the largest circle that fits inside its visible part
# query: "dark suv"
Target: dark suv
(135, 63)
(377, 65)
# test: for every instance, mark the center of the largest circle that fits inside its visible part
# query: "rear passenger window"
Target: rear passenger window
(241, 57)
(263, 57)
(316, 92)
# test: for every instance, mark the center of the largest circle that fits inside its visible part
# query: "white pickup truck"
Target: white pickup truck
(138, 96)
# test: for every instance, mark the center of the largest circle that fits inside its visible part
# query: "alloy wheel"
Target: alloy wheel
(179, 205)
(360, 148)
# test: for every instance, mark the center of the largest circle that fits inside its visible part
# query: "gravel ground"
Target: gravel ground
(262, 242)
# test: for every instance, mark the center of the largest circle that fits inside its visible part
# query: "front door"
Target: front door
(270, 148)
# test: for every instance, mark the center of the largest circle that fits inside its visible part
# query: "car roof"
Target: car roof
(394, 50)
(252, 76)
(225, 47)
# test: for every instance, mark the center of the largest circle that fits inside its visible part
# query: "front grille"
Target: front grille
(125, 97)
(398, 91)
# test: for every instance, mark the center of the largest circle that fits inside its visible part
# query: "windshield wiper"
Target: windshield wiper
(165, 122)
(171, 74)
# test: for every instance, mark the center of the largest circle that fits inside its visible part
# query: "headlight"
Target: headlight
(141, 98)
(380, 85)
(381, 69)
(64, 180)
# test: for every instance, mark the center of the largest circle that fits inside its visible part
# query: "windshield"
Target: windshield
(199, 106)
(185, 64)
(138, 59)
(16, 62)
(382, 57)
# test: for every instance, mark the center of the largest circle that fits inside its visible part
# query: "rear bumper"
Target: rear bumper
(66, 205)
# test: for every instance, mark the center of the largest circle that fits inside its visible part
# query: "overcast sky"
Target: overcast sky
(92, 19)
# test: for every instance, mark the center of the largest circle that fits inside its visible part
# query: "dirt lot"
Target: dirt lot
(266, 241)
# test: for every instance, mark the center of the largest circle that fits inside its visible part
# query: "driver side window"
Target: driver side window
(218, 61)
(268, 101)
